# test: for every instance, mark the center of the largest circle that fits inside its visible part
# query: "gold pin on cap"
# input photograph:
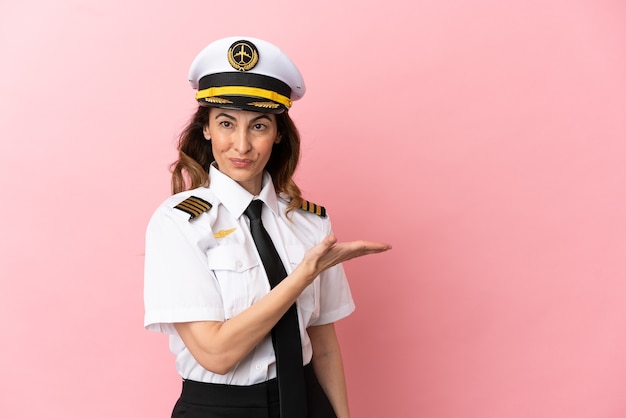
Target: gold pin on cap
(243, 55)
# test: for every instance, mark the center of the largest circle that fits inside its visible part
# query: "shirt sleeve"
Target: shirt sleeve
(178, 285)
(335, 298)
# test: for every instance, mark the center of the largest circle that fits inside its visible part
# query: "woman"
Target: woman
(241, 272)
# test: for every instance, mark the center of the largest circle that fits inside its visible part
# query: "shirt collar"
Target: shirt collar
(235, 198)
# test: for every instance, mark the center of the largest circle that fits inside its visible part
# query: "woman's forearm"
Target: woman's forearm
(328, 366)
(219, 346)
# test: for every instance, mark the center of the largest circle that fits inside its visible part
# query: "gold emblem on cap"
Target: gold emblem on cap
(243, 55)
(217, 100)
(265, 105)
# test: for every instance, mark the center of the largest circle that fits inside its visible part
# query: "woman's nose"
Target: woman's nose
(241, 141)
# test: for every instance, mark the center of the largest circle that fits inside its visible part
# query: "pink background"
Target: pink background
(486, 140)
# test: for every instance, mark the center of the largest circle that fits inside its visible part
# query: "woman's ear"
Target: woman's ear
(279, 137)
(205, 131)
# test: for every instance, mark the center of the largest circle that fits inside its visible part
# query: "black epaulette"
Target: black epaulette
(313, 208)
(194, 206)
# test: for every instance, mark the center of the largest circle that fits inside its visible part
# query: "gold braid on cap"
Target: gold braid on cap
(244, 91)
(265, 105)
(216, 100)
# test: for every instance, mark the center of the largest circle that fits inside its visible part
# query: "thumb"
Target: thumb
(324, 246)
(329, 241)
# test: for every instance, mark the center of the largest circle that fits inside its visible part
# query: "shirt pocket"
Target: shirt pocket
(236, 267)
(308, 299)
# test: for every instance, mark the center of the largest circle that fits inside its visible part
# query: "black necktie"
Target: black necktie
(286, 333)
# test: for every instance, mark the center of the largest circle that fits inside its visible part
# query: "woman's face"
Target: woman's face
(242, 143)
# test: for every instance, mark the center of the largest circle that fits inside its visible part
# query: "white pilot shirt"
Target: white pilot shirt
(208, 269)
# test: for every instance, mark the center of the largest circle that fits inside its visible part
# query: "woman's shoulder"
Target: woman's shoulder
(186, 215)
(188, 205)
(306, 209)
(182, 223)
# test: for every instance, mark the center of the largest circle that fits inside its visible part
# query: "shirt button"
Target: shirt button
(239, 264)
(258, 367)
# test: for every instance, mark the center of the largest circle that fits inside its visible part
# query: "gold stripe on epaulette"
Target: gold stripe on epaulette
(194, 206)
(313, 208)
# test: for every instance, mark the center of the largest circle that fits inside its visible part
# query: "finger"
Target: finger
(369, 246)
(361, 248)
(378, 247)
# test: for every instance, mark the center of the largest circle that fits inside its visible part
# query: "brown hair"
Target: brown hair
(195, 156)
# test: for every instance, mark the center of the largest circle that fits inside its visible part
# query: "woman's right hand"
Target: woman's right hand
(329, 253)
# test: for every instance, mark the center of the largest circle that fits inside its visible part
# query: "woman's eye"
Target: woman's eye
(226, 124)
(259, 126)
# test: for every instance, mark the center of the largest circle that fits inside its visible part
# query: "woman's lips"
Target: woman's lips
(240, 162)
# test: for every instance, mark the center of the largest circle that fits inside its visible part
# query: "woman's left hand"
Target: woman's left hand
(329, 253)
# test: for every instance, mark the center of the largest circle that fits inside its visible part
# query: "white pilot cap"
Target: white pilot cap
(245, 73)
